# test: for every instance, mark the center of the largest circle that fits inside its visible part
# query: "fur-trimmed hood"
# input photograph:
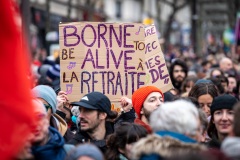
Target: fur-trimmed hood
(165, 147)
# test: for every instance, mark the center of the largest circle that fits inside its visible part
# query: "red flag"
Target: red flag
(16, 113)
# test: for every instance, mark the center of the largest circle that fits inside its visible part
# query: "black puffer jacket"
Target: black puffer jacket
(83, 137)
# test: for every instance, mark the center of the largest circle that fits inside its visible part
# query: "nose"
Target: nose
(224, 116)
(159, 102)
(205, 108)
(81, 115)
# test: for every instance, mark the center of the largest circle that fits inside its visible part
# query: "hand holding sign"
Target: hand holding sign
(62, 101)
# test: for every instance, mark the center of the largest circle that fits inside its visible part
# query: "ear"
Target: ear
(102, 115)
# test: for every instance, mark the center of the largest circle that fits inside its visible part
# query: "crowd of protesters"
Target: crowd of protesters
(197, 119)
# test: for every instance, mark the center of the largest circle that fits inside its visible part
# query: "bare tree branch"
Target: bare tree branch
(175, 8)
(182, 5)
(168, 3)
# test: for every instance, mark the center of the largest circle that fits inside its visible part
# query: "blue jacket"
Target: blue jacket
(53, 149)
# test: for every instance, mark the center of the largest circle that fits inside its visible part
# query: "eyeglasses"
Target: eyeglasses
(47, 106)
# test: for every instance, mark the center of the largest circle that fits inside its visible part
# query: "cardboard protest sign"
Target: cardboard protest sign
(156, 69)
(104, 57)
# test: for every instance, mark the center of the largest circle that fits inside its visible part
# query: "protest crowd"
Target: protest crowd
(197, 118)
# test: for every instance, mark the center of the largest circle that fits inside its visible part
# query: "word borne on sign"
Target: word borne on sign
(100, 34)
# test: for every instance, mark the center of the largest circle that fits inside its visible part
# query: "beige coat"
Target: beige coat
(166, 147)
(59, 123)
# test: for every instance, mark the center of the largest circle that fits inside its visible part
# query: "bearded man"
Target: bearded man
(94, 109)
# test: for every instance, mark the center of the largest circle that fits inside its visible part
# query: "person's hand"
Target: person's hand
(126, 104)
(63, 102)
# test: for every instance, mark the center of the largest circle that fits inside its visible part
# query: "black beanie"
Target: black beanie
(225, 101)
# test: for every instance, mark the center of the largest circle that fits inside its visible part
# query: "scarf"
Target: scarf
(53, 149)
(178, 136)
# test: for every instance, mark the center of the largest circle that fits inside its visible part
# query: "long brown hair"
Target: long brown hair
(212, 130)
(124, 134)
(202, 89)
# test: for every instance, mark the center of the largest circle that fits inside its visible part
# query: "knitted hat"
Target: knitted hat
(225, 101)
(54, 72)
(140, 95)
(46, 93)
(88, 150)
(42, 70)
(203, 81)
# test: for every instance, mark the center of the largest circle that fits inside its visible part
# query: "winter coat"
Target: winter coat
(60, 124)
(83, 137)
(53, 149)
(214, 143)
(165, 145)
(125, 117)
